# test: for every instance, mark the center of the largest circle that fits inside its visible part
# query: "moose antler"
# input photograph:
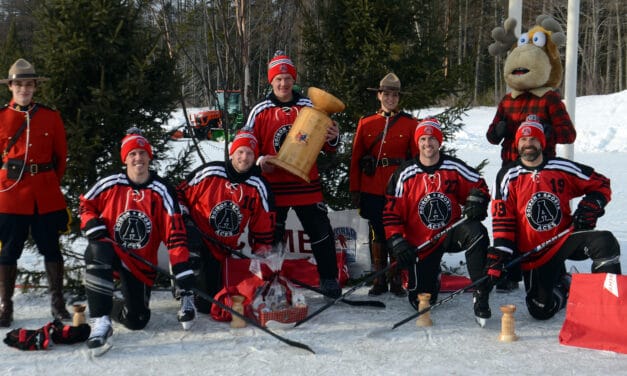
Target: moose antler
(549, 23)
(504, 38)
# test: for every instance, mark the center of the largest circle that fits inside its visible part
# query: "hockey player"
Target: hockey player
(531, 205)
(424, 196)
(382, 142)
(270, 121)
(131, 212)
(222, 199)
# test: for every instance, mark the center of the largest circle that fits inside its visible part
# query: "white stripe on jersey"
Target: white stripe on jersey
(106, 183)
(266, 104)
(462, 169)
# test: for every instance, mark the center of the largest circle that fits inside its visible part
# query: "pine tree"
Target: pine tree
(351, 44)
(109, 71)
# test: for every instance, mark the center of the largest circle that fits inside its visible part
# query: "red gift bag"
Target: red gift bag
(595, 313)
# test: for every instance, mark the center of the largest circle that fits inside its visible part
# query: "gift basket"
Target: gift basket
(276, 299)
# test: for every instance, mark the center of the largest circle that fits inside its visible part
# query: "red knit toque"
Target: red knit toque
(134, 141)
(531, 127)
(245, 139)
(279, 64)
(430, 127)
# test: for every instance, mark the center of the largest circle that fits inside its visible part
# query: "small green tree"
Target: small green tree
(109, 71)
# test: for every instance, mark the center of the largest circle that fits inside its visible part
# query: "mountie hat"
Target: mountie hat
(134, 140)
(531, 127)
(279, 64)
(428, 127)
(390, 82)
(245, 139)
(22, 70)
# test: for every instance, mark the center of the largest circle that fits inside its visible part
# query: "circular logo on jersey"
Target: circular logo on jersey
(225, 218)
(279, 136)
(434, 210)
(132, 229)
(543, 211)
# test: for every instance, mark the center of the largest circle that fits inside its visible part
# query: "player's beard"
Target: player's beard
(530, 153)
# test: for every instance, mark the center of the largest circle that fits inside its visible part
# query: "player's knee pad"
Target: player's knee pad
(542, 310)
(605, 253)
(134, 320)
(100, 253)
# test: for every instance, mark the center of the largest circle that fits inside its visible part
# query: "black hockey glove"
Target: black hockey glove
(67, 334)
(27, 339)
(476, 207)
(495, 263)
(185, 278)
(590, 208)
(404, 252)
(500, 130)
(95, 229)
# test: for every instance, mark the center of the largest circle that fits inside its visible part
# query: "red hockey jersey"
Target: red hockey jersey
(139, 218)
(531, 205)
(270, 121)
(421, 201)
(222, 207)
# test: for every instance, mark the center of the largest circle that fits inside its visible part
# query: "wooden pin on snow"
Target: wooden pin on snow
(238, 306)
(423, 303)
(79, 314)
(507, 324)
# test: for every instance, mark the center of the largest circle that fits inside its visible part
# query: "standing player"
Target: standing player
(270, 121)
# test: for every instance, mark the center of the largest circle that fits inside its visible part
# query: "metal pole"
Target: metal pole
(570, 72)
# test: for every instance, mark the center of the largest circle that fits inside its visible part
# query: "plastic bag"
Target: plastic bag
(277, 294)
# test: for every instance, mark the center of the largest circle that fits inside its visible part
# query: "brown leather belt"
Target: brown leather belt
(384, 162)
(34, 168)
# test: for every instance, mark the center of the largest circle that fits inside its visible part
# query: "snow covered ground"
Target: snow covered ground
(357, 340)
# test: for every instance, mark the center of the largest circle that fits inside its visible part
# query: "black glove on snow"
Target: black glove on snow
(590, 208)
(67, 334)
(476, 207)
(404, 252)
(495, 263)
(27, 339)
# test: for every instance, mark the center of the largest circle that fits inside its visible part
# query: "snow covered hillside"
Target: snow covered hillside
(358, 340)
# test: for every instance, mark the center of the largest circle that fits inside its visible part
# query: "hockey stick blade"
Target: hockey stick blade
(513, 262)
(220, 304)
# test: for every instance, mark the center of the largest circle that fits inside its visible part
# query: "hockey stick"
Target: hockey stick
(232, 251)
(374, 275)
(513, 262)
(209, 298)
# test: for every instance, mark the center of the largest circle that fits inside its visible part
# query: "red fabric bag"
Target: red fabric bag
(595, 313)
(304, 270)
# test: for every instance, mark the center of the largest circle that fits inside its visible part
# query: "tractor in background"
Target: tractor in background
(207, 125)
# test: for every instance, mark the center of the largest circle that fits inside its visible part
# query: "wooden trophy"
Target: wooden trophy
(423, 303)
(507, 324)
(79, 314)
(238, 306)
(308, 134)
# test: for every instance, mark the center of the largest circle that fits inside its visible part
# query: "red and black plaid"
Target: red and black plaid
(551, 112)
